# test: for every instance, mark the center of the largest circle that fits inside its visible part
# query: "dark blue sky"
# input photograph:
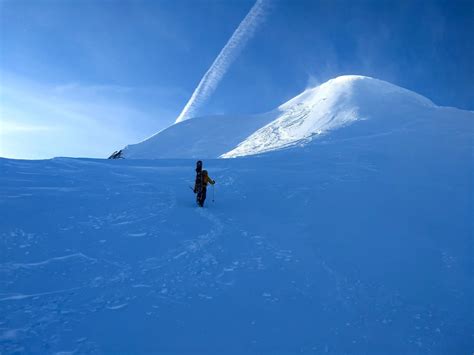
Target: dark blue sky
(79, 66)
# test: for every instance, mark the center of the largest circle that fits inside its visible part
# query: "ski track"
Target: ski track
(17, 297)
(15, 266)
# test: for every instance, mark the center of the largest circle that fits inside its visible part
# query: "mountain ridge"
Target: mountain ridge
(320, 111)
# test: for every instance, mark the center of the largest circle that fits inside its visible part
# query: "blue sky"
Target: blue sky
(83, 78)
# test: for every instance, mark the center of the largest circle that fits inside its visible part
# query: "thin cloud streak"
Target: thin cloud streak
(228, 54)
(10, 126)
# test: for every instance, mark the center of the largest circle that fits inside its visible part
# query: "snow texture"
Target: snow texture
(360, 241)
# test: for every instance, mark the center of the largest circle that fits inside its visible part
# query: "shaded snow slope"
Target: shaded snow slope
(361, 246)
(203, 137)
(316, 112)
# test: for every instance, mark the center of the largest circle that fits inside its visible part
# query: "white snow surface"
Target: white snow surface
(314, 113)
(328, 107)
(357, 242)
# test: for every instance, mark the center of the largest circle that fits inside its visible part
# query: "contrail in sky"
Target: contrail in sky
(221, 64)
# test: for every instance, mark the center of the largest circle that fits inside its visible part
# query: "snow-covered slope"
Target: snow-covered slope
(362, 248)
(316, 113)
(358, 242)
(332, 106)
(203, 137)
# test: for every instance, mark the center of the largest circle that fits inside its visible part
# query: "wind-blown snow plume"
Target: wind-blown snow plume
(219, 67)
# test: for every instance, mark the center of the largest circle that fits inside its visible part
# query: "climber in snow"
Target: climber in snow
(200, 185)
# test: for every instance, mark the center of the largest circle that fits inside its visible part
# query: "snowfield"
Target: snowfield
(357, 241)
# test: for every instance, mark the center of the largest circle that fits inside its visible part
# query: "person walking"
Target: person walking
(200, 185)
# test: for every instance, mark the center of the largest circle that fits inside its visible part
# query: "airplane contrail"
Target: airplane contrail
(221, 64)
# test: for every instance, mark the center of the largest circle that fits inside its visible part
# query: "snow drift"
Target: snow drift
(316, 113)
